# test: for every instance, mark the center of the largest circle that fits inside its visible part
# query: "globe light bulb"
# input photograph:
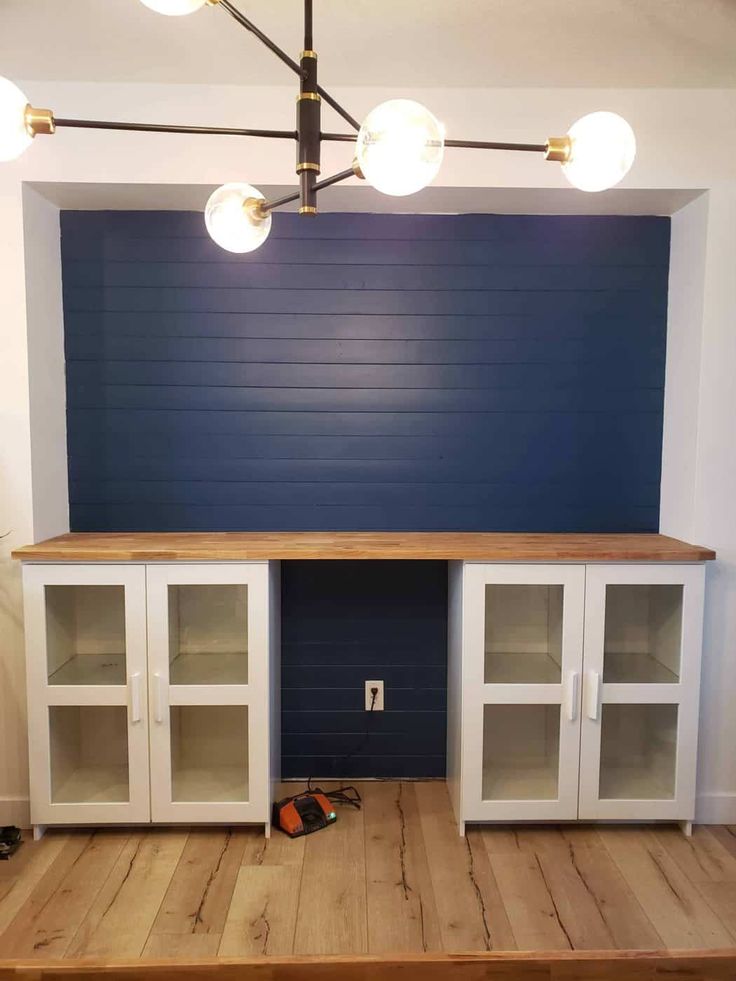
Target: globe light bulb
(400, 147)
(602, 150)
(14, 136)
(174, 8)
(232, 218)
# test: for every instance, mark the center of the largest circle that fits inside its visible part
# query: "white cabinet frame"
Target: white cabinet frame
(581, 695)
(254, 695)
(684, 693)
(476, 694)
(42, 696)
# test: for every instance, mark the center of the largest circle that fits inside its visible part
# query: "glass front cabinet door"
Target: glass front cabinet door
(208, 691)
(643, 634)
(523, 645)
(87, 693)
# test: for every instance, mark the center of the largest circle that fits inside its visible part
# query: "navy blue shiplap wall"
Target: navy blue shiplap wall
(342, 624)
(366, 372)
(473, 372)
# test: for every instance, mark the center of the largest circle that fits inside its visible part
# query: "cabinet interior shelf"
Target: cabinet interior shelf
(211, 783)
(526, 668)
(91, 669)
(639, 668)
(94, 785)
(209, 669)
(521, 783)
(635, 783)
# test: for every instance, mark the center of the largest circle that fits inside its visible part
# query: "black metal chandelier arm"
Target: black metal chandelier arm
(265, 206)
(263, 38)
(338, 108)
(493, 145)
(342, 175)
(274, 134)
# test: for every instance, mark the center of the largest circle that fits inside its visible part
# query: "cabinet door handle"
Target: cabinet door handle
(135, 697)
(159, 709)
(593, 694)
(571, 695)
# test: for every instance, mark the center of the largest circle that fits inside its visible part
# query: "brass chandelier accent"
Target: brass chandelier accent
(398, 148)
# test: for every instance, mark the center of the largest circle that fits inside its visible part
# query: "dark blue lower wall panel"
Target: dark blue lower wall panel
(344, 623)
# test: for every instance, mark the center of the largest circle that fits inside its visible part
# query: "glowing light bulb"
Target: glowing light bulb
(400, 147)
(602, 150)
(174, 8)
(14, 136)
(232, 218)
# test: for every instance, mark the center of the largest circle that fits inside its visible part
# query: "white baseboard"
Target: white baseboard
(715, 809)
(15, 810)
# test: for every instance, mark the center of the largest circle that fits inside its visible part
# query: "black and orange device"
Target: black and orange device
(303, 813)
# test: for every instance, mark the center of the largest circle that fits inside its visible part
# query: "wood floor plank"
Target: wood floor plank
(461, 907)
(725, 834)
(187, 946)
(500, 934)
(262, 915)
(45, 928)
(43, 891)
(402, 915)
(201, 888)
(629, 926)
(120, 920)
(530, 907)
(332, 915)
(680, 914)
(20, 881)
(702, 857)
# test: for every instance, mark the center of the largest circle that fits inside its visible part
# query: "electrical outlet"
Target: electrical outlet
(378, 705)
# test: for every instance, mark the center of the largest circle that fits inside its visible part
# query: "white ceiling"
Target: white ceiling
(413, 43)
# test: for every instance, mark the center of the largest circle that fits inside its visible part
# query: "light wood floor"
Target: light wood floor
(394, 877)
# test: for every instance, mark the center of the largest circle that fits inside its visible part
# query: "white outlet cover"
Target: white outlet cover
(378, 707)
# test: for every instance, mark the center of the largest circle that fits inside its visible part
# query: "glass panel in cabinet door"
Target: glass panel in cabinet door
(643, 634)
(521, 752)
(85, 635)
(523, 634)
(208, 634)
(209, 753)
(89, 754)
(638, 752)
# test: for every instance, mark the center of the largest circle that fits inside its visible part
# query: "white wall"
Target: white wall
(687, 140)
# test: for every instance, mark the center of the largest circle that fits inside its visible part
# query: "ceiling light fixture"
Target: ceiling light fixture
(398, 148)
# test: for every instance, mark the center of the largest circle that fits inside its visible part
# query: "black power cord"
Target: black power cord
(349, 794)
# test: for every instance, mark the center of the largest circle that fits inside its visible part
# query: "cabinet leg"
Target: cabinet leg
(39, 830)
(461, 828)
(687, 828)
(267, 829)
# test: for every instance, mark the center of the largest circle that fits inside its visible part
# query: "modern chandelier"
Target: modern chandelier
(398, 149)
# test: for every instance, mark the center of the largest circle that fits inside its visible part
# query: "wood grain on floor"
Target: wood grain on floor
(392, 878)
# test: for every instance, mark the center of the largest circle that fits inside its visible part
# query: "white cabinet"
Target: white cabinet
(643, 635)
(573, 691)
(149, 692)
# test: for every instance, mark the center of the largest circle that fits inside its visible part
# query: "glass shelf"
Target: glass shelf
(638, 752)
(521, 752)
(208, 634)
(85, 635)
(643, 634)
(523, 634)
(89, 754)
(209, 753)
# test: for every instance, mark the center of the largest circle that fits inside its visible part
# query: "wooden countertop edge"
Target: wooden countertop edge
(438, 546)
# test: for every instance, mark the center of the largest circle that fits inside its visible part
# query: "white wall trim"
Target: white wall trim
(15, 810)
(715, 809)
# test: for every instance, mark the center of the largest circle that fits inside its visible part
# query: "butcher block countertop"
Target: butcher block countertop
(440, 545)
